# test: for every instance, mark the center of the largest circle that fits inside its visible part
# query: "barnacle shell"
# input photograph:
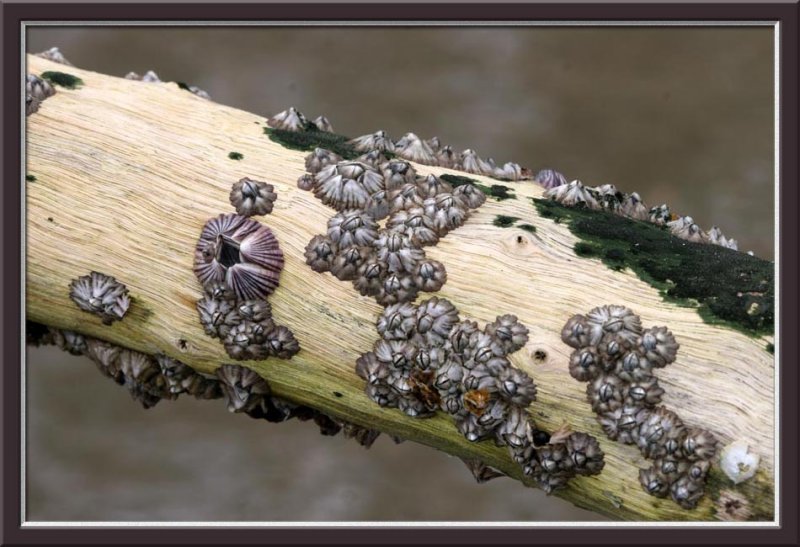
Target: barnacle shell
(414, 149)
(584, 364)
(658, 346)
(243, 388)
(653, 482)
(617, 320)
(217, 315)
(430, 275)
(323, 124)
(397, 354)
(445, 157)
(435, 319)
(143, 378)
(576, 332)
(633, 207)
(645, 392)
(320, 253)
(507, 329)
(347, 262)
(659, 214)
(362, 435)
(471, 163)
(240, 251)
(685, 228)
(634, 367)
(398, 321)
(585, 453)
(397, 173)
(405, 198)
(38, 88)
(288, 120)
(511, 171)
(101, 295)
(470, 195)
(716, 237)
(605, 394)
(321, 158)
(281, 343)
(352, 227)
(699, 444)
(572, 195)
(418, 226)
(516, 387)
(429, 186)
(374, 141)
(686, 492)
(373, 158)
(656, 430)
(608, 197)
(149, 76)
(370, 276)
(305, 182)
(252, 197)
(447, 212)
(738, 462)
(69, 341)
(106, 357)
(482, 472)
(397, 250)
(247, 340)
(732, 506)
(550, 178)
(55, 55)
(347, 185)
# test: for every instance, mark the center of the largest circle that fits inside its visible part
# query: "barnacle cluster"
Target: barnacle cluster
(36, 91)
(428, 359)
(54, 54)
(151, 77)
(238, 261)
(387, 263)
(292, 119)
(618, 358)
(607, 198)
(101, 295)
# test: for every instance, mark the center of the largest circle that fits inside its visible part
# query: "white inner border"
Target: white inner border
(420, 524)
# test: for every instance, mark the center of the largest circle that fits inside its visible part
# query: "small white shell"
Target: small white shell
(737, 462)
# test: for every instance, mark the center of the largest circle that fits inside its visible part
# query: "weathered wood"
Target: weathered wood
(128, 172)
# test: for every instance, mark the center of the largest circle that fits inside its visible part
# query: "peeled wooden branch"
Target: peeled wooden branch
(127, 172)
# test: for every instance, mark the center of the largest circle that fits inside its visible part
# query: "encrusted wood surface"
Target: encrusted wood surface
(128, 172)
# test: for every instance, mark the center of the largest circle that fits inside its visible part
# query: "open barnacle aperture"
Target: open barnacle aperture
(242, 253)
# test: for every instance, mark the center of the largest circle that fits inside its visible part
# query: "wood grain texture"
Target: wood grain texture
(128, 172)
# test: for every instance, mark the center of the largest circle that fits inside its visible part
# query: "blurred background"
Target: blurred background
(680, 115)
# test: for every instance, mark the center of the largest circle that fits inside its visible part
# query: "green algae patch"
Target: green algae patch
(497, 191)
(311, 138)
(30, 178)
(726, 287)
(456, 180)
(771, 348)
(235, 156)
(62, 79)
(530, 228)
(503, 221)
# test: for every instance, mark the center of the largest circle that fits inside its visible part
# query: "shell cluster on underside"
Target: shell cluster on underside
(617, 357)
(428, 360)
(101, 295)
(607, 198)
(387, 263)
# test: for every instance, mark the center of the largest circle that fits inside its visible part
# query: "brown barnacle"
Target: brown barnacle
(143, 378)
(549, 178)
(55, 55)
(106, 357)
(654, 482)
(421, 382)
(477, 427)
(461, 335)
(445, 157)
(398, 251)
(217, 315)
(243, 388)
(645, 392)
(362, 435)
(515, 432)
(352, 227)
(686, 492)
(633, 207)
(611, 348)
(320, 253)
(370, 276)
(101, 295)
(716, 237)
(373, 158)
(483, 348)
(247, 340)
(241, 252)
(630, 419)
(418, 225)
(305, 182)
(347, 262)
(685, 228)
(396, 354)
(323, 124)
(319, 159)
(372, 370)
(612, 319)
(698, 444)
(38, 88)
(482, 472)
(430, 275)
(281, 343)
(555, 458)
(252, 197)
(585, 364)
(516, 387)
(633, 367)
(659, 433)
(434, 143)
(148, 76)
(288, 120)
(471, 195)
(412, 148)
(576, 332)
(471, 163)
(446, 211)
(405, 198)
(606, 394)
(398, 321)
(70, 341)
(435, 319)
(585, 452)
(347, 185)
(396, 173)
(374, 141)
(254, 310)
(479, 379)
(181, 378)
(430, 186)
(396, 288)
(507, 329)
(574, 194)
(658, 346)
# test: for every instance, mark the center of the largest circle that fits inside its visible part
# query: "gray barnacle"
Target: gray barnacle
(217, 315)
(699, 444)
(516, 387)
(613, 319)
(471, 195)
(515, 432)
(69, 341)
(482, 472)
(252, 197)
(659, 431)
(716, 237)
(471, 163)
(606, 394)
(645, 392)
(585, 453)
(511, 171)
(281, 343)
(653, 482)
(430, 186)
(55, 55)
(143, 378)
(240, 251)
(149, 76)
(374, 141)
(247, 340)
(608, 197)
(430, 275)
(378, 205)
(405, 198)
(418, 225)
(445, 157)
(396, 354)
(254, 310)
(573, 194)
(447, 212)
(658, 346)
(319, 159)
(352, 227)
(576, 332)
(396, 173)
(634, 367)
(659, 214)
(320, 253)
(305, 182)
(101, 295)
(685, 228)
(243, 388)
(31, 105)
(398, 251)
(412, 148)
(435, 319)
(288, 120)
(370, 276)
(106, 357)
(347, 185)
(549, 178)
(584, 364)
(686, 492)
(323, 124)
(374, 158)
(630, 418)
(507, 329)
(396, 288)
(398, 321)
(181, 378)
(371, 370)
(633, 207)
(38, 88)
(347, 262)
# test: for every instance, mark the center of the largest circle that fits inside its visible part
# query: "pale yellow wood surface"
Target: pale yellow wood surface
(128, 172)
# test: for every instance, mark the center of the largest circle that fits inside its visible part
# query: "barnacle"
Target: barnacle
(320, 253)
(633, 207)
(481, 471)
(550, 178)
(576, 332)
(658, 346)
(55, 55)
(509, 332)
(430, 186)
(217, 315)
(471, 163)
(617, 320)
(398, 321)
(242, 387)
(288, 120)
(396, 173)
(698, 444)
(511, 171)
(38, 88)
(471, 195)
(447, 211)
(106, 357)
(247, 340)
(347, 185)
(445, 157)
(143, 378)
(572, 195)
(373, 158)
(352, 227)
(101, 295)
(659, 433)
(241, 252)
(412, 148)
(148, 76)
(405, 198)
(280, 342)
(659, 214)
(418, 226)
(605, 394)
(319, 159)
(323, 124)
(608, 197)
(252, 197)
(685, 228)
(738, 462)
(374, 141)
(430, 275)
(370, 276)
(181, 378)
(435, 318)
(398, 251)
(347, 262)
(686, 492)
(305, 182)
(716, 237)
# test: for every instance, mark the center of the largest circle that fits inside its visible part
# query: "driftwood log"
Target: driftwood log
(127, 172)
